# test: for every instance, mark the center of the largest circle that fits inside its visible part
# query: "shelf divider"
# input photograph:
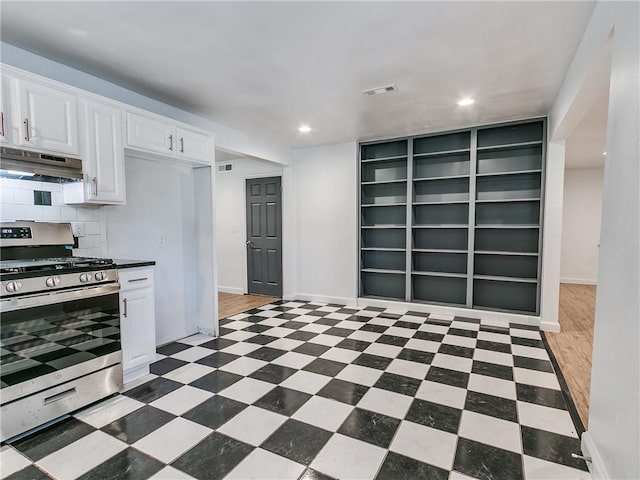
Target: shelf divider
(473, 169)
(409, 232)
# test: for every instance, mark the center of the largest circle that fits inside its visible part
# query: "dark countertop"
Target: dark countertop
(128, 263)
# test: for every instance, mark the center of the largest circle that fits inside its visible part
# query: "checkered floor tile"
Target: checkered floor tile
(298, 390)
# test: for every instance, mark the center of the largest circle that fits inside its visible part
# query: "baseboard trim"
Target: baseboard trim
(553, 327)
(234, 290)
(310, 297)
(589, 449)
(579, 281)
(488, 316)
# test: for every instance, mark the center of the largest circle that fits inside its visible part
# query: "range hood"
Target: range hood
(44, 167)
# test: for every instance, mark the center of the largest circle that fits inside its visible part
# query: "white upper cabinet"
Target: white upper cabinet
(159, 135)
(48, 118)
(5, 114)
(193, 145)
(149, 134)
(103, 163)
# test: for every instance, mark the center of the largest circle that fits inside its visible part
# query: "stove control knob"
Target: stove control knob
(85, 277)
(99, 276)
(52, 281)
(13, 286)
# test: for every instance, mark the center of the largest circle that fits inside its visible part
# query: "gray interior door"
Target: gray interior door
(264, 236)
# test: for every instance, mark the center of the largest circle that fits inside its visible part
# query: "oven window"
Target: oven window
(39, 340)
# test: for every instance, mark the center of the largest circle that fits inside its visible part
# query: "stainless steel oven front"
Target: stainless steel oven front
(60, 351)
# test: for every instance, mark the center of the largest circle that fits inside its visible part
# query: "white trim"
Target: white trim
(234, 290)
(309, 297)
(579, 281)
(503, 318)
(553, 327)
(596, 465)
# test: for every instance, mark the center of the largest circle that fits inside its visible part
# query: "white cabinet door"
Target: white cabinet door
(104, 162)
(194, 146)
(5, 114)
(48, 118)
(149, 134)
(138, 326)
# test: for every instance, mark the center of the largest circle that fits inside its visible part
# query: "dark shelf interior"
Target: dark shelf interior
(446, 214)
(508, 240)
(389, 215)
(441, 143)
(388, 285)
(384, 193)
(509, 187)
(440, 262)
(520, 213)
(441, 165)
(514, 159)
(505, 295)
(384, 260)
(510, 134)
(382, 238)
(441, 238)
(384, 171)
(506, 266)
(384, 150)
(448, 190)
(439, 289)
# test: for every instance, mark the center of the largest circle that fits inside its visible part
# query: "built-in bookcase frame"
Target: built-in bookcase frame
(454, 218)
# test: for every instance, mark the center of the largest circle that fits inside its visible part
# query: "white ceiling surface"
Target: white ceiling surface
(266, 67)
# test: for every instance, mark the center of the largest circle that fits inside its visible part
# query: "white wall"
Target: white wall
(159, 223)
(231, 220)
(324, 206)
(613, 438)
(18, 204)
(582, 210)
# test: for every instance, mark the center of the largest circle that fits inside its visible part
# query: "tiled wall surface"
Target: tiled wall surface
(17, 204)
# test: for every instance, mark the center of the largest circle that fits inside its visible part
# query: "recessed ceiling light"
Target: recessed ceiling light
(466, 101)
(604, 153)
(304, 129)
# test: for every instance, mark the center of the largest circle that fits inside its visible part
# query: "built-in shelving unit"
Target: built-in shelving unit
(454, 218)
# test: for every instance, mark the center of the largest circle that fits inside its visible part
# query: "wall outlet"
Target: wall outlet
(162, 241)
(77, 228)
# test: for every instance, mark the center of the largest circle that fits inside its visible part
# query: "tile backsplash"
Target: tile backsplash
(17, 203)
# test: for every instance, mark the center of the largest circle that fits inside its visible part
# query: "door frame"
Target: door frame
(245, 266)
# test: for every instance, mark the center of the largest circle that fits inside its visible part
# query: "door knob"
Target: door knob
(248, 242)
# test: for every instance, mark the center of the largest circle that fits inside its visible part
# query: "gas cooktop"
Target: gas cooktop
(56, 263)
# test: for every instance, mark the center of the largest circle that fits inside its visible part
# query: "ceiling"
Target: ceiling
(266, 67)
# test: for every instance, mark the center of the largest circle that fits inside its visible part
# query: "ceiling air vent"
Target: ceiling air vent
(227, 167)
(381, 90)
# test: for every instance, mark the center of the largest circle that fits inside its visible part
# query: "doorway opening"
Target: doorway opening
(248, 232)
(585, 160)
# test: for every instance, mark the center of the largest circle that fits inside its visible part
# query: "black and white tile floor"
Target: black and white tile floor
(297, 390)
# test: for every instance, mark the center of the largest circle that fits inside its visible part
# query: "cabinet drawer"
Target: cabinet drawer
(134, 278)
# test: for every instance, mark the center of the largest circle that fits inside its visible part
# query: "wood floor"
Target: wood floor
(230, 304)
(573, 346)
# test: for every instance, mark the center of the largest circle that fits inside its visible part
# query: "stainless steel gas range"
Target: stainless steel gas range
(60, 327)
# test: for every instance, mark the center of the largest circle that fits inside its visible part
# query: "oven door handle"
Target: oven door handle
(49, 298)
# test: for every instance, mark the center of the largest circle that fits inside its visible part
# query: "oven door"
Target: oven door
(51, 338)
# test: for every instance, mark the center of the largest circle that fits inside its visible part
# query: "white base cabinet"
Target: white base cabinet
(137, 321)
